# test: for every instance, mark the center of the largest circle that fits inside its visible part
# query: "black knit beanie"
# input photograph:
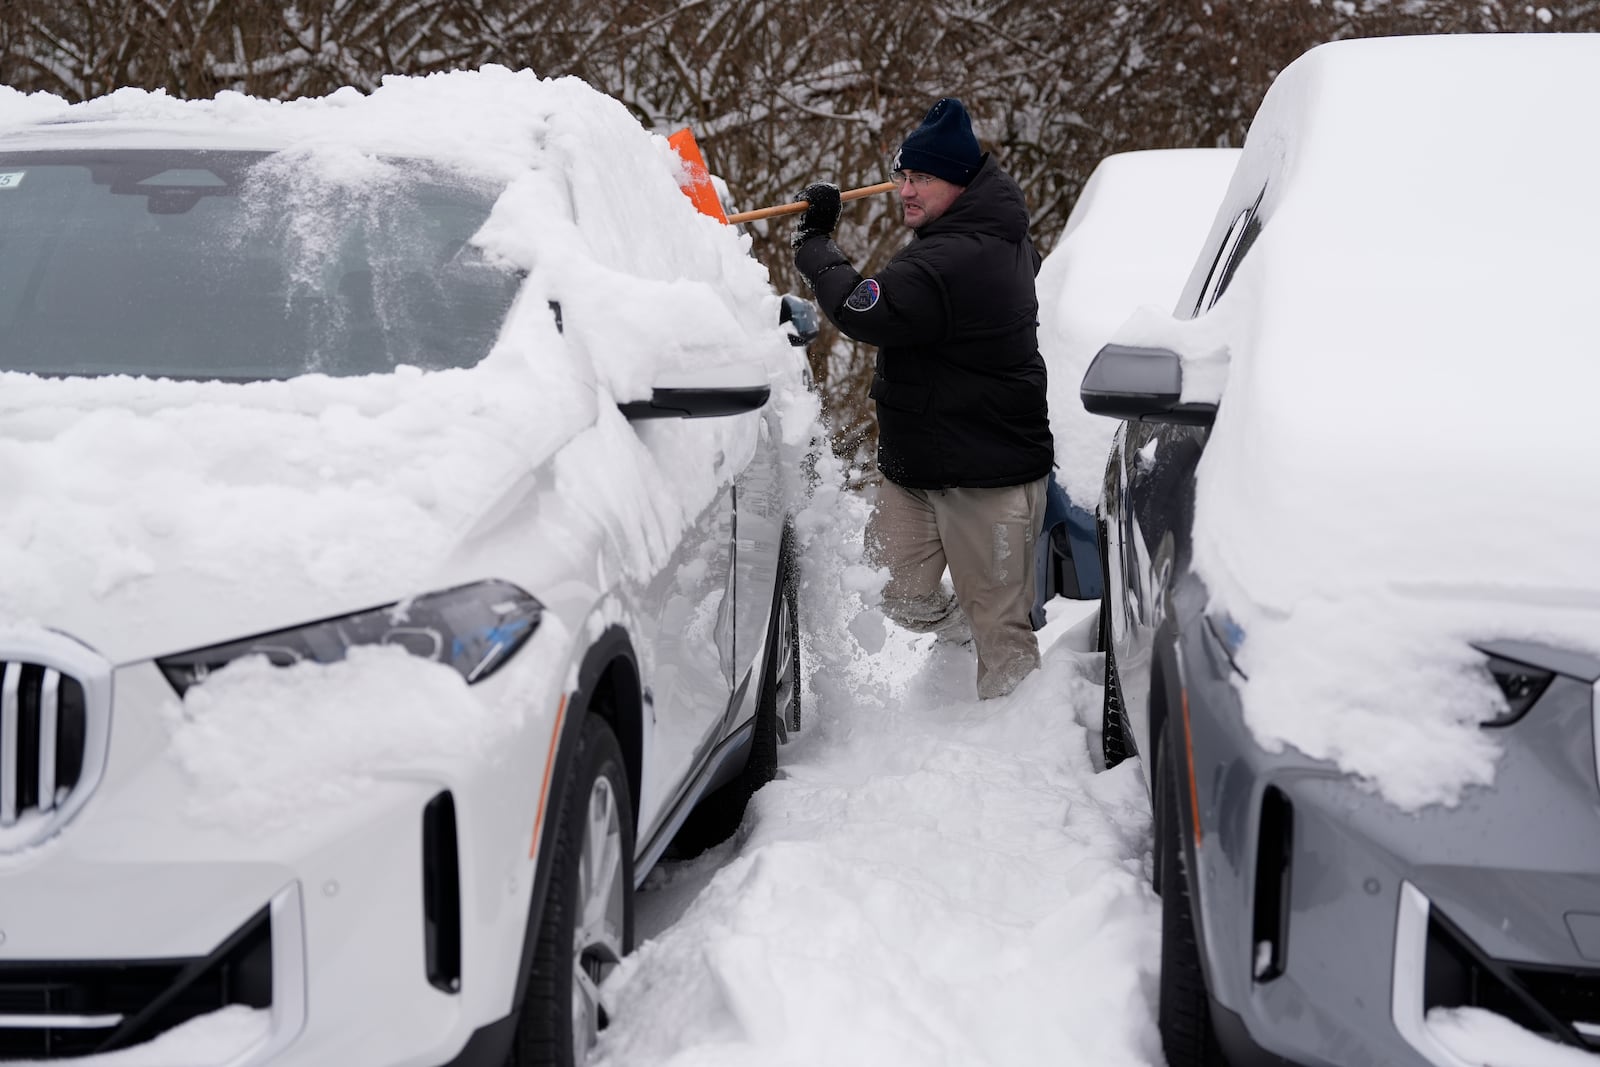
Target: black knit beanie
(943, 145)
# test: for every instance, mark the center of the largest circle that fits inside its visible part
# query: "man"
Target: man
(964, 441)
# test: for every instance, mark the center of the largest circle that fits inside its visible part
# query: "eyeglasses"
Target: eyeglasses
(916, 178)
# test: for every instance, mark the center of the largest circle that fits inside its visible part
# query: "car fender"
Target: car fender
(1200, 706)
(607, 684)
(1214, 797)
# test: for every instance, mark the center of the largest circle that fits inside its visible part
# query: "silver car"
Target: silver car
(1367, 716)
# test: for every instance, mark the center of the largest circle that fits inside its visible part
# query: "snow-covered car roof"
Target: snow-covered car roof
(1130, 242)
(245, 492)
(1398, 467)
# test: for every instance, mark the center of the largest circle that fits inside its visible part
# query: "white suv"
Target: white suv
(375, 605)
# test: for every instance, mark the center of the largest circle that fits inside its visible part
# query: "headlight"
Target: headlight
(1521, 685)
(473, 628)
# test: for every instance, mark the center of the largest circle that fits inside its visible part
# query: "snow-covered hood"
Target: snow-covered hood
(148, 517)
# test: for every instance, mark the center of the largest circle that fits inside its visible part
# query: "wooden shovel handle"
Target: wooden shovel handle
(800, 205)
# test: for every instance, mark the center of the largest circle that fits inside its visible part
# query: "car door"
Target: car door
(688, 609)
(761, 511)
(1154, 508)
(1155, 513)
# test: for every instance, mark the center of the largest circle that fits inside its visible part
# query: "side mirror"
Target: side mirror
(703, 394)
(804, 318)
(1140, 384)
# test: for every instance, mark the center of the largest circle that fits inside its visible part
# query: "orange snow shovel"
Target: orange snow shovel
(703, 194)
(700, 191)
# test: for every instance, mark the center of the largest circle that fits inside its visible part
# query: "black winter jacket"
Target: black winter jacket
(960, 384)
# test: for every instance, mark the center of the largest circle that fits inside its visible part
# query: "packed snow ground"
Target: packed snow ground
(931, 880)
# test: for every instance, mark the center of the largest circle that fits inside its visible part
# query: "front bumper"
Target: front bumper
(1332, 922)
(143, 916)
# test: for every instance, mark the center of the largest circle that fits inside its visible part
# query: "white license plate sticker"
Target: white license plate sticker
(10, 179)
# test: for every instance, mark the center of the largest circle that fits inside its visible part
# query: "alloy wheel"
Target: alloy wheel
(597, 935)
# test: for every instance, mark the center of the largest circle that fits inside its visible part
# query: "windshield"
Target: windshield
(244, 266)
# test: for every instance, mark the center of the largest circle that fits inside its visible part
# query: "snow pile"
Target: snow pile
(128, 499)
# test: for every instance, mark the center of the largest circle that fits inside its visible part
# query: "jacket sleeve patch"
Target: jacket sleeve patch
(864, 297)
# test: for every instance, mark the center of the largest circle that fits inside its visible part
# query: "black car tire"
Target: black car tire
(788, 694)
(591, 872)
(717, 816)
(1184, 1013)
(1100, 642)
(1113, 738)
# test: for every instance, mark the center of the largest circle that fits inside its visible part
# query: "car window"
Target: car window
(1236, 243)
(240, 266)
(1247, 237)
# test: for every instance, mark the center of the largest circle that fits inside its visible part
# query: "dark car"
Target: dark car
(1128, 242)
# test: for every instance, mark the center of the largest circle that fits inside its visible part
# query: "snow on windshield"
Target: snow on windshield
(241, 265)
(1398, 466)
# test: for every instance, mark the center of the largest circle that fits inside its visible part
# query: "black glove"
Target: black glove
(822, 214)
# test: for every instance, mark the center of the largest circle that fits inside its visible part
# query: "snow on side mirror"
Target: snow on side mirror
(1141, 384)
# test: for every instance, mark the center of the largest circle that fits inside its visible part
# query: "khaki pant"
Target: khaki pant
(986, 538)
